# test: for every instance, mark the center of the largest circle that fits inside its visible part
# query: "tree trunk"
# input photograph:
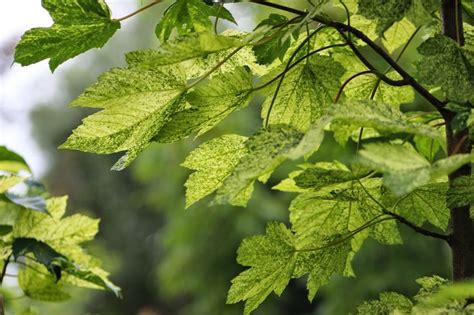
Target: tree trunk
(462, 241)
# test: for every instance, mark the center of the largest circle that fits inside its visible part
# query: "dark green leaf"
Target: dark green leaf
(461, 192)
(448, 66)
(188, 16)
(42, 252)
(11, 161)
(385, 12)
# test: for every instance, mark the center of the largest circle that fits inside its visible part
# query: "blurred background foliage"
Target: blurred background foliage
(171, 261)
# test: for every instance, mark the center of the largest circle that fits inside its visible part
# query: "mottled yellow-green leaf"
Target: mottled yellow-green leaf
(388, 303)
(213, 162)
(362, 88)
(405, 169)
(136, 104)
(306, 92)
(353, 114)
(384, 12)
(41, 286)
(449, 67)
(398, 34)
(190, 47)
(78, 26)
(424, 204)
(58, 232)
(198, 53)
(8, 181)
(265, 151)
(461, 192)
(272, 258)
(210, 103)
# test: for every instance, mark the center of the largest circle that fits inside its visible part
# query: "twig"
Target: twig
(294, 64)
(404, 221)
(343, 86)
(217, 66)
(458, 146)
(343, 27)
(138, 11)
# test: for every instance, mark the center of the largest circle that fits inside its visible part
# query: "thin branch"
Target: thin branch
(4, 269)
(377, 84)
(382, 53)
(404, 221)
(219, 9)
(369, 65)
(139, 10)
(416, 228)
(296, 63)
(350, 235)
(300, 46)
(459, 145)
(217, 66)
(343, 86)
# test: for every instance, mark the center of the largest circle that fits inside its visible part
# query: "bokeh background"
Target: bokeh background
(169, 261)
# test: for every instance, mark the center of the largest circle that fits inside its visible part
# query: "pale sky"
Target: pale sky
(21, 88)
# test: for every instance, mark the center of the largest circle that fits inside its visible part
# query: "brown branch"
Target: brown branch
(418, 229)
(404, 221)
(379, 50)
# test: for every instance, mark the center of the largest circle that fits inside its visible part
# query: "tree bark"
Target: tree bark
(462, 239)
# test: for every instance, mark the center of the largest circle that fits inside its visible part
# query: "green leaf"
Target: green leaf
(384, 12)
(188, 16)
(8, 181)
(323, 262)
(57, 232)
(198, 53)
(257, 158)
(387, 303)
(266, 150)
(398, 34)
(461, 118)
(323, 174)
(354, 114)
(448, 66)
(11, 161)
(306, 92)
(136, 102)
(190, 47)
(39, 286)
(425, 203)
(362, 87)
(272, 258)
(461, 192)
(57, 264)
(210, 103)
(78, 26)
(213, 162)
(276, 42)
(43, 253)
(56, 239)
(275, 258)
(460, 291)
(405, 169)
(342, 208)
